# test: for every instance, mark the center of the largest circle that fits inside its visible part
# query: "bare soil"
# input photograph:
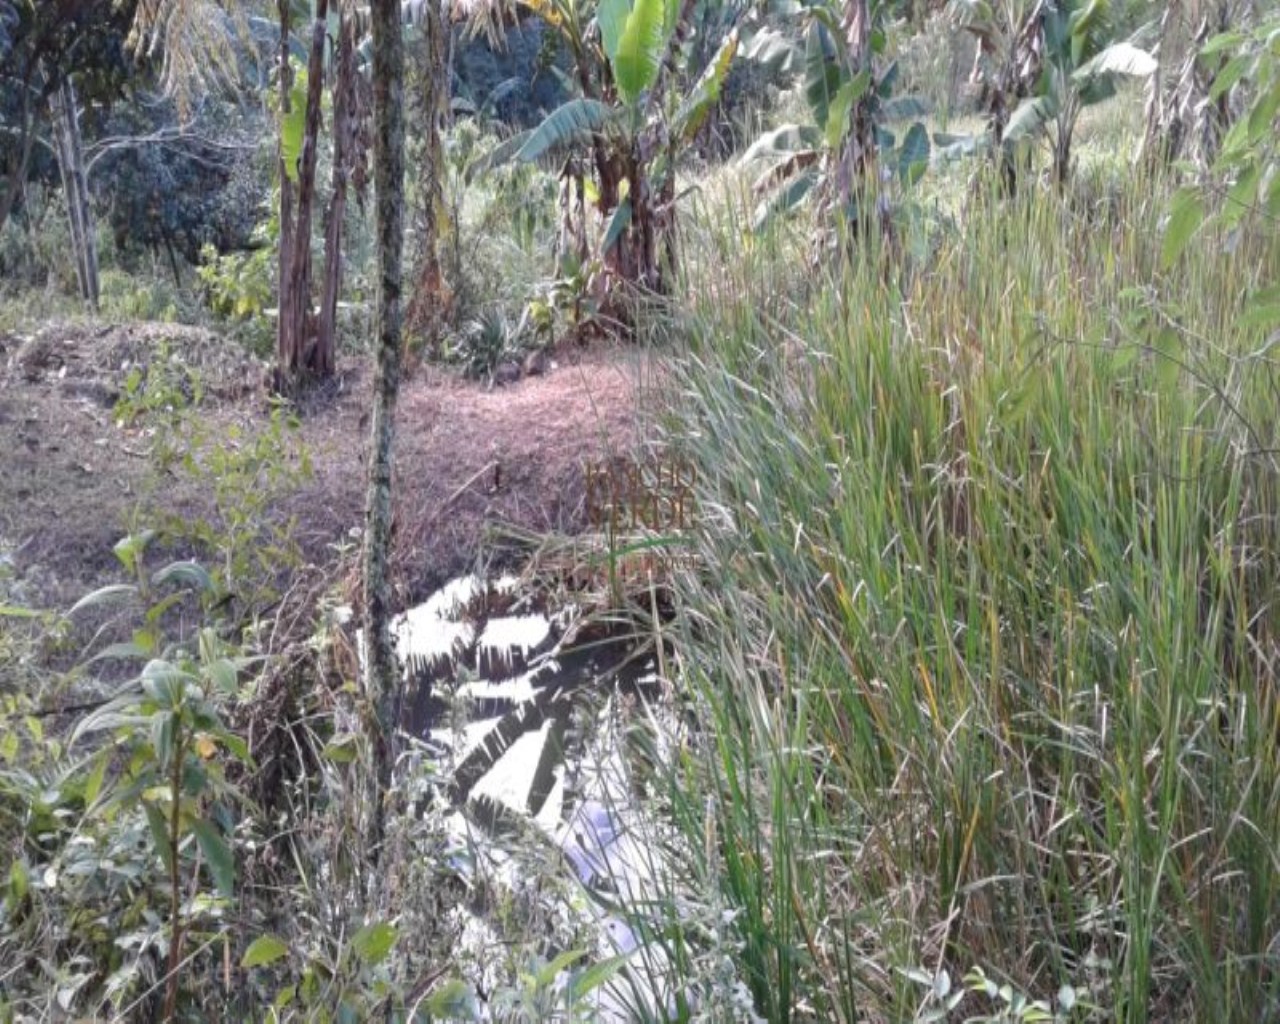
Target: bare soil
(73, 476)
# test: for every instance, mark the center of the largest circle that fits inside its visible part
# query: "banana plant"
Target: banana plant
(626, 55)
(844, 153)
(1007, 62)
(1081, 66)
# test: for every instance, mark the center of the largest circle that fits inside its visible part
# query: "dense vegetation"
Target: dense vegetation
(969, 657)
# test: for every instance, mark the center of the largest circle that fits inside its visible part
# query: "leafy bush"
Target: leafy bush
(239, 287)
(125, 851)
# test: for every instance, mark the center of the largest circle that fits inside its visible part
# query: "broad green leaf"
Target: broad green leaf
(822, 75)
(341, 749)
(1262, 116)
(144, 641)
(1242, 195)
(568, 124)
(373, 942)
(1029, 119)
(618, 223)
(1230, 74)
(611, 16)
(1118, 59)
(1234, 144)
(218, 855)
(11, 611)
(159, 828)
(265, 949)
(156, 611)
(842, 106)
(222, 673)
(1224, 41)
(886, 83)
(164, 682)
(129, 549)
(902, 108)
(236, 745)
(913, 158)
(1123, 356)
(162, 730)
(639, 51)
(1185, 217)
(949, 147)
(1260, 314)
(1096, 90)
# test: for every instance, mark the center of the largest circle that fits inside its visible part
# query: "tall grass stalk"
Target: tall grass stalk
(983, 646)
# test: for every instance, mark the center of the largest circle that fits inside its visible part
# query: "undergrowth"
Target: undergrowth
(982, 647)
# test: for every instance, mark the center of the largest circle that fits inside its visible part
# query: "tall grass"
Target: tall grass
(984, 644)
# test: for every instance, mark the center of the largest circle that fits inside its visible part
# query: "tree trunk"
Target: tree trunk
(429, 298)
(344, 113)
(16, 179)
(75, 188)
(298, 351)
(382, 675)
(284, 315)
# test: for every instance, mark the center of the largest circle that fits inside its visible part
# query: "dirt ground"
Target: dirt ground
(73, 476)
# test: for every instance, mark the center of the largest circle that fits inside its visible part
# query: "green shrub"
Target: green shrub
(239, 287)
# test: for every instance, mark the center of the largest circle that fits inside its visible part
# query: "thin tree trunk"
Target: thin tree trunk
(76, 191)
(343, 115)
(382, 676)
(17, 178)
(426, 308)
(81, 181)
(298, 359)
(284, 315)
(63, 152)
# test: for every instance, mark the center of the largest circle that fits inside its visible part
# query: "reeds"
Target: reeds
(983, 646)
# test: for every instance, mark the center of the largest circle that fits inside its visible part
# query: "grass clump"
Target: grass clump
(984, 635)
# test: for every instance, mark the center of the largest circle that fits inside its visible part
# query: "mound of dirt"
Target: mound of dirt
(74, 476)
(97, 361)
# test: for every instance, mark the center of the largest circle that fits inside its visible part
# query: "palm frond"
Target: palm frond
(194, 40)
